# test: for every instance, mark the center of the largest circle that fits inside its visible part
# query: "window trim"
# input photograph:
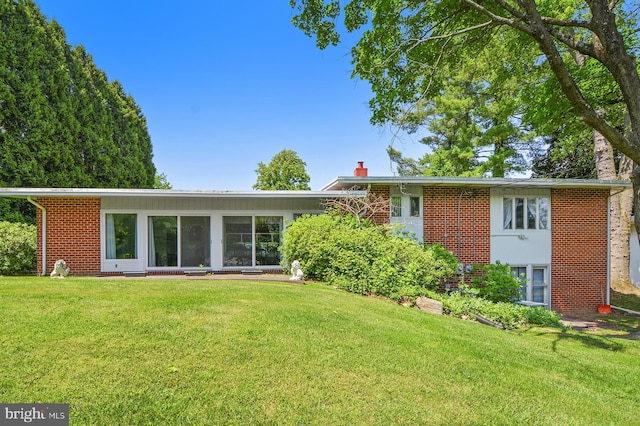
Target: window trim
(514, 217)
(107, 240)
(254, 242)
(528, 286)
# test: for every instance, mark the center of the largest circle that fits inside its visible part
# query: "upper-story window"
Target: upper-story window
(414, 203)
(525, 213)
(396, 206)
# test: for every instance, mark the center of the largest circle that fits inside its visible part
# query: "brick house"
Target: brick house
(553, 232)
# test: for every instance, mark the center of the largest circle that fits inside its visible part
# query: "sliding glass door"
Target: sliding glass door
(179, 241)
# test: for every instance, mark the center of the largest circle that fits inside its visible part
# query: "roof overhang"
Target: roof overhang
(170, 193)
(347, 182)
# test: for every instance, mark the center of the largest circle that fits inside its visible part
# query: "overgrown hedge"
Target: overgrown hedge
(18, 248)
(364, 258)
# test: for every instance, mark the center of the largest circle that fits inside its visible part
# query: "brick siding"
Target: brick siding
(467, 238)
(73, 233)
(579, 226)
(383, 216)
(459, 219)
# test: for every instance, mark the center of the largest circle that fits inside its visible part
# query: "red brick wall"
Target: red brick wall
(383, 216)
(579, 249)
(470, 243)
(459, 219)
(73, 234)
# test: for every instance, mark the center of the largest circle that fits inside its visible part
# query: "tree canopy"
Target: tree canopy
(576, 58)
(285, 171)
(62, 122)
(408, 47)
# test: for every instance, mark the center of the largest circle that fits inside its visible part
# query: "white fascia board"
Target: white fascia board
(345, 182)
(170, 193)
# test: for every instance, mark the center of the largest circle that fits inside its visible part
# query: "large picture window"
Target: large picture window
(525, 213)
(251, 240)
(179, 240)
(121, 237)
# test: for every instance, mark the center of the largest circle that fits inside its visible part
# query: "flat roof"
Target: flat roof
(171, 193)
(346, 182)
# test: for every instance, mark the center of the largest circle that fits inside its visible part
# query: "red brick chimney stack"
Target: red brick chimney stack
(361, 170)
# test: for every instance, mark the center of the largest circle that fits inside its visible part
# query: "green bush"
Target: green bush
(496, 283)
(18, 248)
(364, 258)
(506, 314)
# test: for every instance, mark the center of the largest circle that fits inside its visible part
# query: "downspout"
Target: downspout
(608, 302)
(44, 235)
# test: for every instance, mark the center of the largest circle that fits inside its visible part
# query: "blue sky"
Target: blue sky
(225, 85)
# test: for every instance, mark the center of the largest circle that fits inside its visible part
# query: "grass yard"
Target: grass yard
(178, 352)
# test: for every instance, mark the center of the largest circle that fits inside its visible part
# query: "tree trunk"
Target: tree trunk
(620, 210)
(635, 180)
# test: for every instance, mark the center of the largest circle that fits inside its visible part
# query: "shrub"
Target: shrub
(18, 248)
(506, 314)
(496, 283)
(363, 258)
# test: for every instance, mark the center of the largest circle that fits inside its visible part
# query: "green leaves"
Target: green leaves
(62, 123)
(286, 171)
(364, 258)
(17, 248)
(535, 69)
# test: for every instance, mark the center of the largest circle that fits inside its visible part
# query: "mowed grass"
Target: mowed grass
(177, 352)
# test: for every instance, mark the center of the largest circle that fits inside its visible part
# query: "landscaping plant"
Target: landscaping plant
(18, 248)
(364, 258)
(495, 282)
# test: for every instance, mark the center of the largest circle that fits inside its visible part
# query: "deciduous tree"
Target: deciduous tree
(285, 171)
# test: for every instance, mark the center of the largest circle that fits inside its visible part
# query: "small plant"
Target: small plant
(495, 283)
(508, 315)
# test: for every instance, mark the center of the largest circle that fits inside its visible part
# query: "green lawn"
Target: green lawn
(176, 352)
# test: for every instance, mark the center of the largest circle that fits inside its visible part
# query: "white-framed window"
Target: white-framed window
(121, 236)
(251, 240)
(535, 283)
(414, 207)
(525, 213)
(396, 206)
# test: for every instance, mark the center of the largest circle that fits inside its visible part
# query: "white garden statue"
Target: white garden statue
(296, 271)
(60, 269)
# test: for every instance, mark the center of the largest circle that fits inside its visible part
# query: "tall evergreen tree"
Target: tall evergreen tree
(62, 122)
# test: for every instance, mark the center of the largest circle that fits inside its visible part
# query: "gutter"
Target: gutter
(608, 302)
(44, 234)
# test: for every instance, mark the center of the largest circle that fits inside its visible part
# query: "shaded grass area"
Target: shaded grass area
(619, 323)
(246, 352)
